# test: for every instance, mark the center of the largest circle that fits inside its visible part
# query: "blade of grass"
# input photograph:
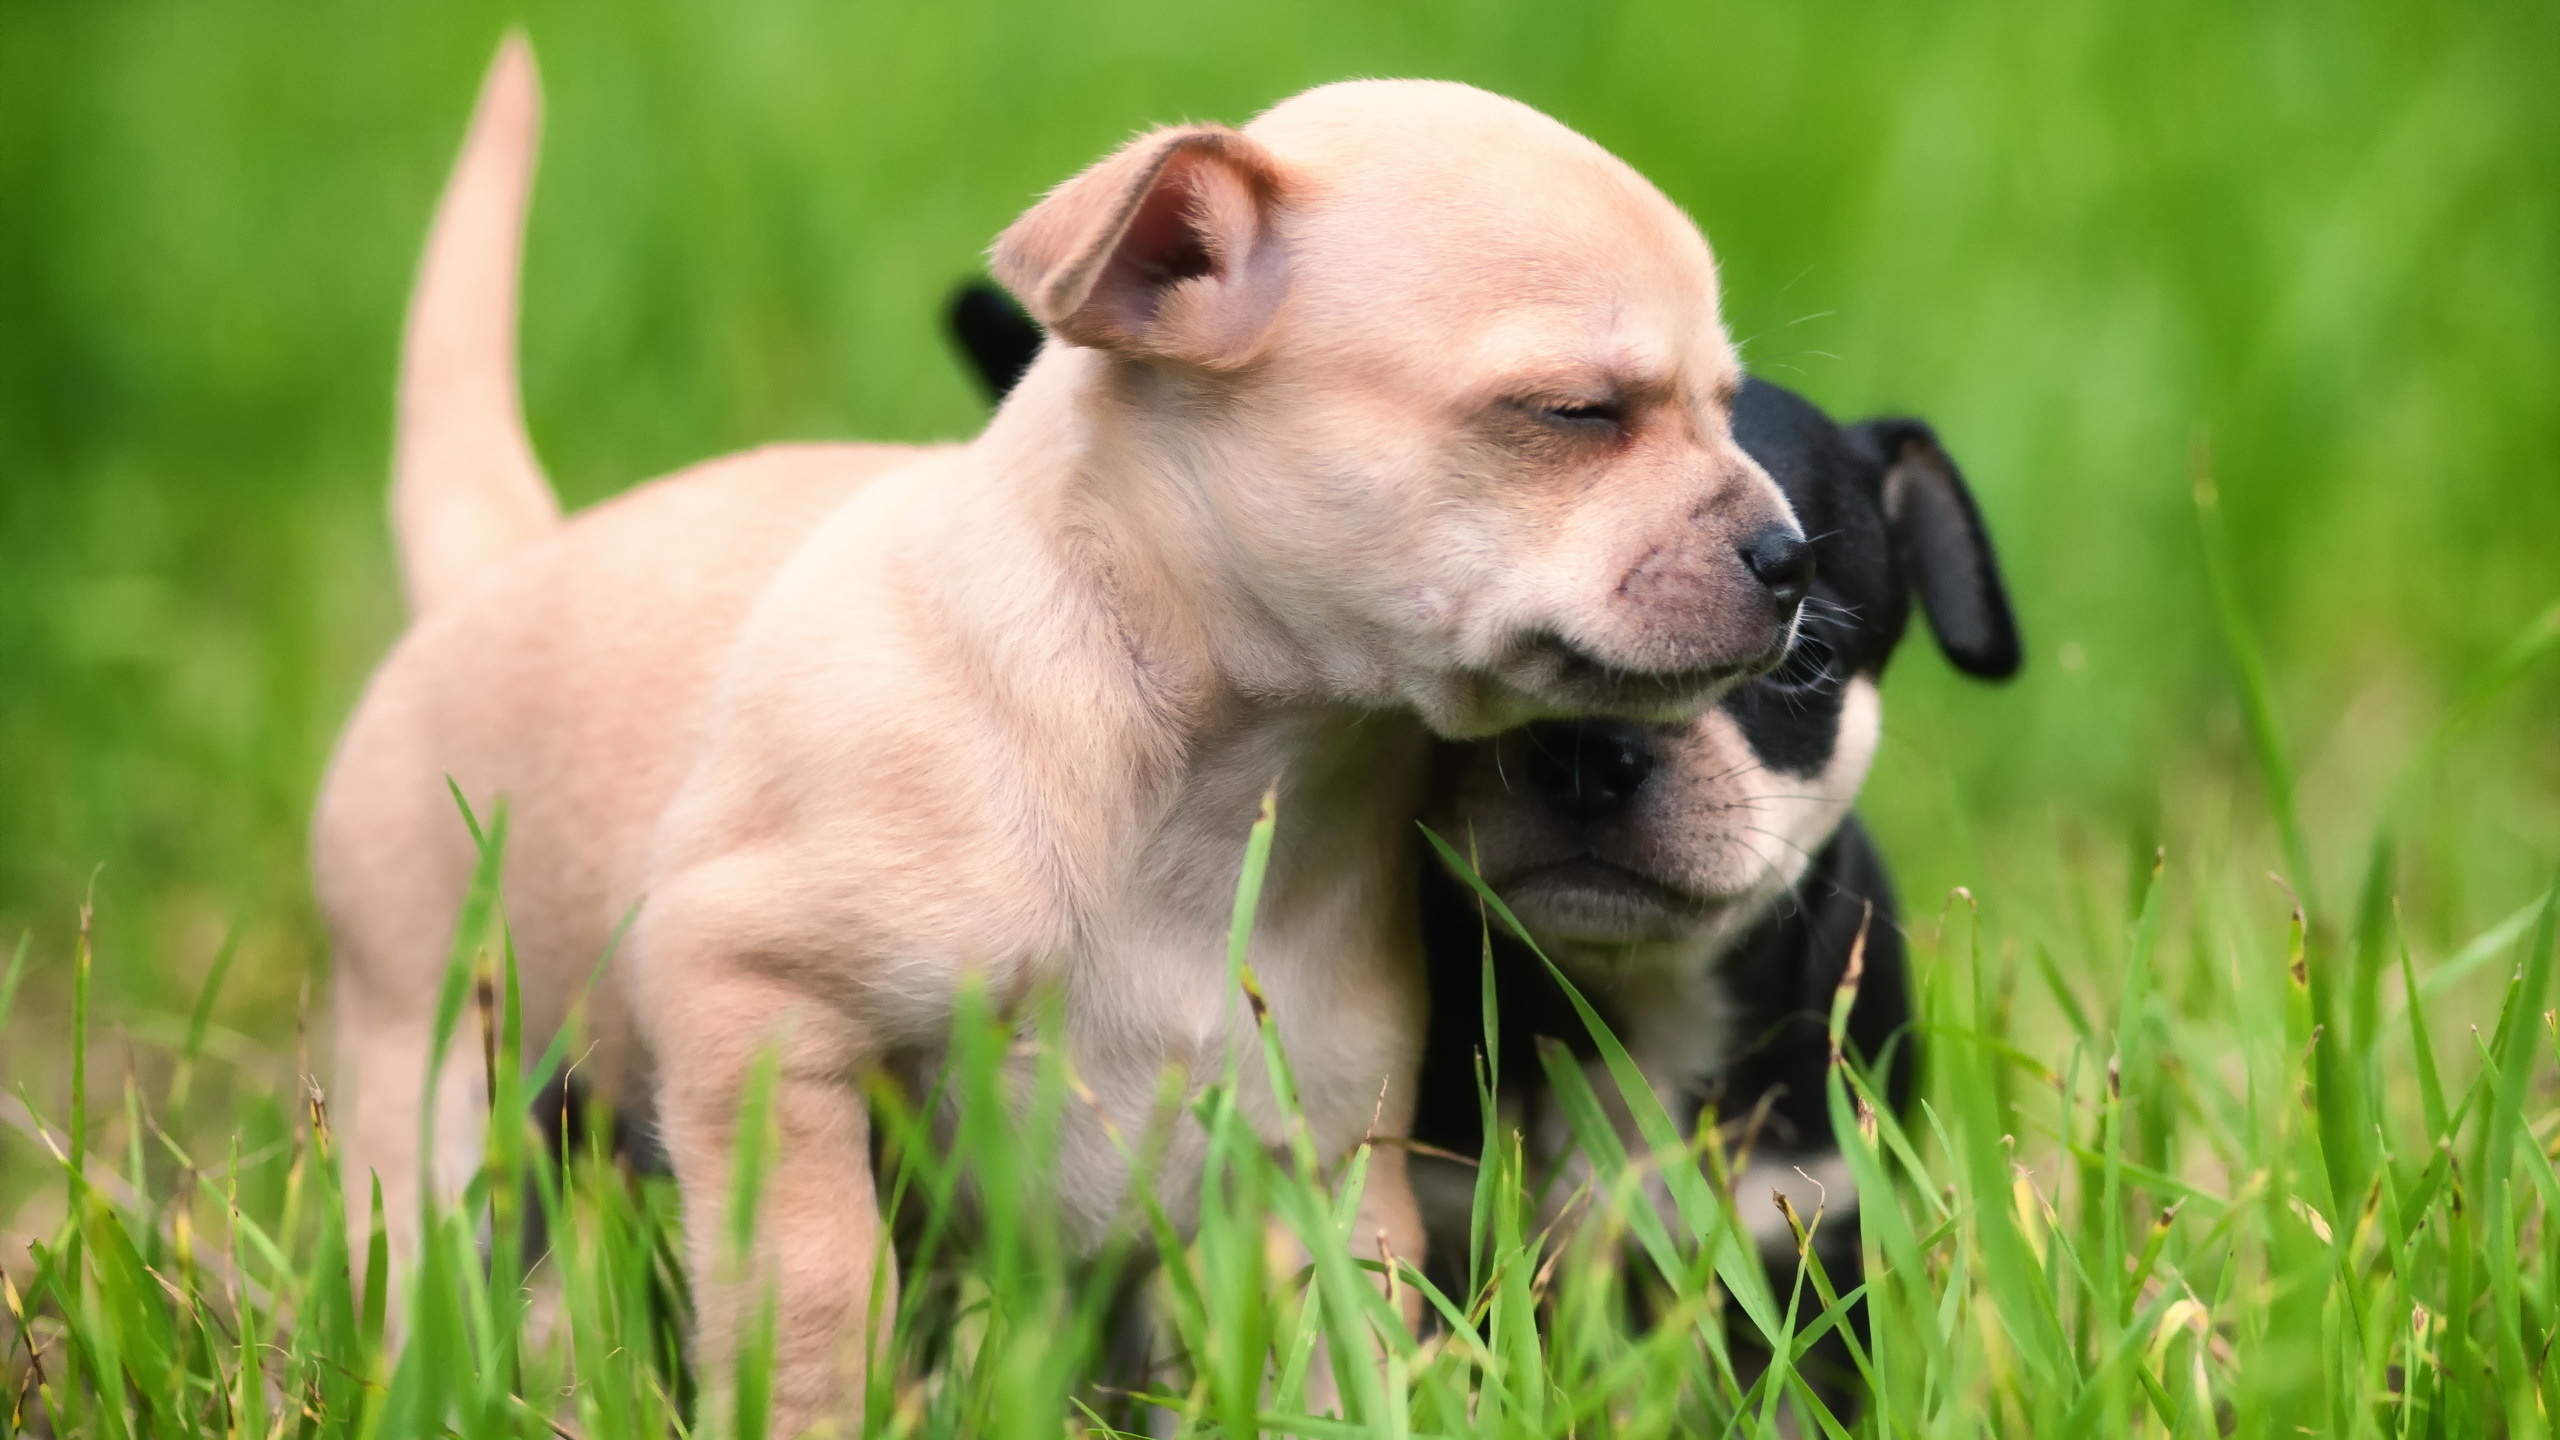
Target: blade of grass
(2503, 1127)
(2257, 693)
(198, 1023)
(9, 979)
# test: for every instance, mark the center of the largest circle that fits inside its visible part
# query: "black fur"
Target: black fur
(1000, 341)
(1942, 545)
(1784, 972)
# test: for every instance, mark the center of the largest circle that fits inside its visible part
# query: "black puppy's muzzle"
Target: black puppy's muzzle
(1587, 770)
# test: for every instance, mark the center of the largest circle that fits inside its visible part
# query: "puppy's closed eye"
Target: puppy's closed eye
(1549, 421)
(1591, 415)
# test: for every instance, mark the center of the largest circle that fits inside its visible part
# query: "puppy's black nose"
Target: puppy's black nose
(1783, 562)
(1588, 769)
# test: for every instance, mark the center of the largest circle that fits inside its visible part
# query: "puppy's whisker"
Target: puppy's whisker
(1783, 840)
(1745, 769)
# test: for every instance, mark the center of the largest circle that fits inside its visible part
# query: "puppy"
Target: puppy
(1704, 884)
(1403, 410)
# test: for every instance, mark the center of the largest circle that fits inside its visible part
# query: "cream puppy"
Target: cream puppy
(1402, 411)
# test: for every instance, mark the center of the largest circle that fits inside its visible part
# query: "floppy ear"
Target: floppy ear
(1165, 249)
(1000, 341)
(1939, 537)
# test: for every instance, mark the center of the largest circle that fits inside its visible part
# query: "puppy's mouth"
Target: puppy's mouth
(1569, 679)
(1589, 900)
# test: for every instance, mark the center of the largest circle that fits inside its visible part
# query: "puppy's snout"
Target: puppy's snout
(1781, 560)
(1589, 770)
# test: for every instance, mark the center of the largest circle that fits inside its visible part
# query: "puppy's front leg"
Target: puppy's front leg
(1386, 1228)
(1390, 1224)
(816, 1232)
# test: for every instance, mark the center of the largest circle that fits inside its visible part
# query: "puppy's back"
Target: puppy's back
(569, 683)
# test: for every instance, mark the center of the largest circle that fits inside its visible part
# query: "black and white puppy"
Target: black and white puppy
(1701, 884)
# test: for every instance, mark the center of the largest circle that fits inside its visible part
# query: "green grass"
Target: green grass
(2240, 320)
(2211, 1216)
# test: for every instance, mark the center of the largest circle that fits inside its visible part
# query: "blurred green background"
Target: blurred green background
(2316, 243)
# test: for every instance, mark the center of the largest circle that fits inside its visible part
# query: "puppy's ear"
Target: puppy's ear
(1165, 249)
(1000, 341)
(1939, 537)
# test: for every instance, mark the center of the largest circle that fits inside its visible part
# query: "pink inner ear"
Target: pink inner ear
(1165, 244)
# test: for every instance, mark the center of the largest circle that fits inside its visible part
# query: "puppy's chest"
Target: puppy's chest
(1150, 1013)
(1147, 1030)
(1680, 1033)
(1677, 1026)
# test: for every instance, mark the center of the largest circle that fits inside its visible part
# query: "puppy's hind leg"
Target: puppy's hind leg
(384, 1050)
(390, 863)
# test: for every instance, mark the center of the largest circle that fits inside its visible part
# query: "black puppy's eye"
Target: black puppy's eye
(1811, 664)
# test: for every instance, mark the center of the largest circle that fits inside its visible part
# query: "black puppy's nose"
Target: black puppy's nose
(1588, 769)
(1783, 562)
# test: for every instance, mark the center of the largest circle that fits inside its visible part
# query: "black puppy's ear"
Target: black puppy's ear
(1000, 340)
(1939, 536)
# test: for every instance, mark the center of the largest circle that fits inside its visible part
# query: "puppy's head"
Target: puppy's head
(1622, 839)
(1436, 389)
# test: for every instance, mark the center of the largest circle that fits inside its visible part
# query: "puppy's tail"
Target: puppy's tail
(465, 487)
